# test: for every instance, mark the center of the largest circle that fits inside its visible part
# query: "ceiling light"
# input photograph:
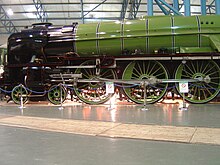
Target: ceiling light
(10, 12)
(30, 15)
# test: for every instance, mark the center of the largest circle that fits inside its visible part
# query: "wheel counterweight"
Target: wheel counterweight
(207, 72)
(145, 70)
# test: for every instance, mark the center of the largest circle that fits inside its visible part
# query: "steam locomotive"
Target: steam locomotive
(145, 57)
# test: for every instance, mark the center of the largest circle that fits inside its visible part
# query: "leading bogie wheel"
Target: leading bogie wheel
(19, 93)
(57, 94)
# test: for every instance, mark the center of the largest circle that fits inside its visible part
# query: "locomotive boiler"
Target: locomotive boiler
(159, 50)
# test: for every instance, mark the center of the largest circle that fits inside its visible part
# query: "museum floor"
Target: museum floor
(116, 134)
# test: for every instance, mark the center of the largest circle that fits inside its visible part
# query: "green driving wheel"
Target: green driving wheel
(93, 92)
(207, 73)
(55, 93)
(18, 92)
(148, 71)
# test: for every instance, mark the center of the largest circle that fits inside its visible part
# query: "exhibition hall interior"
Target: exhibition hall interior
(93, 82)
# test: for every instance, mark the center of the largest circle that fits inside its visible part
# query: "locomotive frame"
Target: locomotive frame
(90, 95)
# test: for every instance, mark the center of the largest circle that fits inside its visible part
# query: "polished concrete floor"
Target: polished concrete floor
(122, 134)
(201, 115)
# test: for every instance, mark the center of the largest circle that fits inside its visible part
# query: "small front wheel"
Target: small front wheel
(19, 92)
(57, 94)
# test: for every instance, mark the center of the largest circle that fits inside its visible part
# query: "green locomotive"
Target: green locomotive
(159, 51)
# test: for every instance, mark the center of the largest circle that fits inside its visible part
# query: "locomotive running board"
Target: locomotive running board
(169, 58)
(76, 67)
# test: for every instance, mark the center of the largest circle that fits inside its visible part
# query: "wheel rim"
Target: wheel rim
(55, 92)
(93, 92)
(207, 72)
(140, 70)
(17, 92)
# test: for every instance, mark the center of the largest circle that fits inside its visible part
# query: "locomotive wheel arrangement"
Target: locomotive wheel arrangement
(145, 58)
